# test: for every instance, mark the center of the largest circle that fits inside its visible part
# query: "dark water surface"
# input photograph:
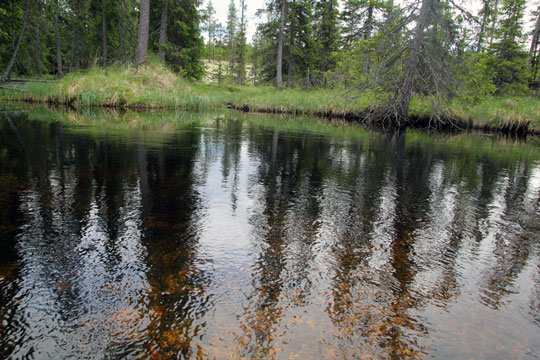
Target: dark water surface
(167, 235)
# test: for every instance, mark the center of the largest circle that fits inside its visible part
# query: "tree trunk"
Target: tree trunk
(17, 46)
(163, 30)
(368, 28)
(493, 22)
(142, 40)
(242, 44)
(279, 63)
(534, 42)
(405, 92)
(77, 38)
(123, 30)
(104, 31)
(483, 25)
(57, 35)
(290, 65)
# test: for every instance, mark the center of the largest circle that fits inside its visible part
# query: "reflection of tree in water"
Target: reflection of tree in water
(510, 229)
(399, 230)
(371, 288)
(60, 274)
(86, 265)
(288, 184)
(13, 182)
(231, 141)
(360, 239)
(171, 219)
(375, 312)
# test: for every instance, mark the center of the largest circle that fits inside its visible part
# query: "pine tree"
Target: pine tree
(488, 16)
(359, 20)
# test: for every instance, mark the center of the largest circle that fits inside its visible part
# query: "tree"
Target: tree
(210, 27)
(142, 41)
(104, 31)
(407, 84)
(301, 46)
(240, 46)
(415, 59)
(326, 37)
(488, 15)
(77, 22)
(295, 55)
(533, 62)
(7, 73)
(163, 29)
(279, 61)
(232, 23)
(185, 46)
(57, 36)
(509, 60)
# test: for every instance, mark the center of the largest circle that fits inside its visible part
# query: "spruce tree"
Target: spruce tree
(326, 37)
(185, 47)
(510, 60)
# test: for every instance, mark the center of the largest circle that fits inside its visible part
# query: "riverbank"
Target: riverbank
(154, 86)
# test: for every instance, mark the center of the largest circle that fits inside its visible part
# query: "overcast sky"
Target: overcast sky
(253, 5)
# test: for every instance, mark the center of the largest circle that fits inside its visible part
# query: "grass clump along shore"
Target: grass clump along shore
(155, 86)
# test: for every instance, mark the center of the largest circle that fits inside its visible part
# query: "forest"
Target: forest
(389, 59)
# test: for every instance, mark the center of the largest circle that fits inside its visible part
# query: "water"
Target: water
(176, 235)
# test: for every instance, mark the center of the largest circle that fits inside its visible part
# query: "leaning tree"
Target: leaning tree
(416, 53)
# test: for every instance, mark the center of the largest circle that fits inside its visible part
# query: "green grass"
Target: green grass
(155, 86)
(498, 112)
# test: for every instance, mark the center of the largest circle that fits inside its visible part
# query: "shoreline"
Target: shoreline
(361, 118)
(155, 87)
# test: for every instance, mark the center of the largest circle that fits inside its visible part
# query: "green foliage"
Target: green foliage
(476, 76)
(327, 38)
(300, 46)
(185, 46)
(509, 63)
(509, 60)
